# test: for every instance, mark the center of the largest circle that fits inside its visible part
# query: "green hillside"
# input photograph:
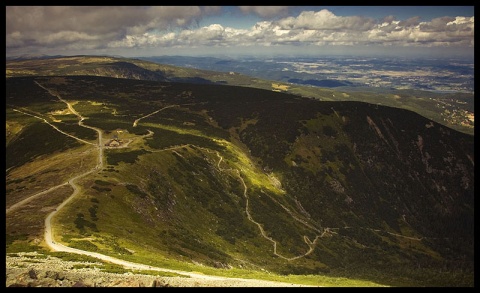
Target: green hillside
(453, 110)
(238, 181)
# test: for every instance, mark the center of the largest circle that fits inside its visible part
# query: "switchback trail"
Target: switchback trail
(49, 232)
(311, 245)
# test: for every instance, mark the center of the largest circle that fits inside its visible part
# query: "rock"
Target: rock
(51, 274)
(57, 274)
(152, 283)
(32, 274)
(160, 283)
(60, 276)
(220, 265)
(17, 285)
(80, 284)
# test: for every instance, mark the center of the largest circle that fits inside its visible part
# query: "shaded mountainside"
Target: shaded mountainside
(116, 67)
(455, 110)
(235, 177)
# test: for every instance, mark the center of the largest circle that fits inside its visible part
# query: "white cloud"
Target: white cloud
(176, 27)
(326, 20)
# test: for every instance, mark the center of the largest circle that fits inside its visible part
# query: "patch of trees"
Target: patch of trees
(116, 156)
(81, 224)
(136, 190)
(35, 140)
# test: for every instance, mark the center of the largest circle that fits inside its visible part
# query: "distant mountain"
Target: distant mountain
(32, 57)
(108, 66)
(454, 110)
(237, 178)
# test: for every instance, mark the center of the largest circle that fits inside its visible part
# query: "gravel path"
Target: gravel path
(34, 270)
(48, 272)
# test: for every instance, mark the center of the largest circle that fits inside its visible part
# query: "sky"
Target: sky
(139, 31)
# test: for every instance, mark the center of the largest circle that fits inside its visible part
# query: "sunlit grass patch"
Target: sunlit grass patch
(279, 87)
(251, 173)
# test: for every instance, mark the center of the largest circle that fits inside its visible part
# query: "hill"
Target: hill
(235, 180)
(454, 110)
(205, 171)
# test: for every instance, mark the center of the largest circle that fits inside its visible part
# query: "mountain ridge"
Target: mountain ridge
(241, 177)
(454, 110)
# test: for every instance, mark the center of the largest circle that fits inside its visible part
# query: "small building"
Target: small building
(113, 143)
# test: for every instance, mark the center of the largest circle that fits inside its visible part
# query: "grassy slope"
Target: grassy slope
(441, 108)
(181, 204)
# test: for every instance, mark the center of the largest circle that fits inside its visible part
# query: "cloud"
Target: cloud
(265, 11)
(102, 19)
(44, 25)
(326, 20)
(411, 22)
(35, 28)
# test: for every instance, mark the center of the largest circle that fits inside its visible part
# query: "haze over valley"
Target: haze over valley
(438, 75)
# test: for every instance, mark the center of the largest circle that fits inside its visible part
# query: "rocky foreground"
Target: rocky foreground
(30, 270)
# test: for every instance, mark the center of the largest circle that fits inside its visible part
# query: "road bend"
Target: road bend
(49, 231)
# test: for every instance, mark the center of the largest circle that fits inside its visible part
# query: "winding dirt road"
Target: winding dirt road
(30, 198)
(49, 231)
(311, 245)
